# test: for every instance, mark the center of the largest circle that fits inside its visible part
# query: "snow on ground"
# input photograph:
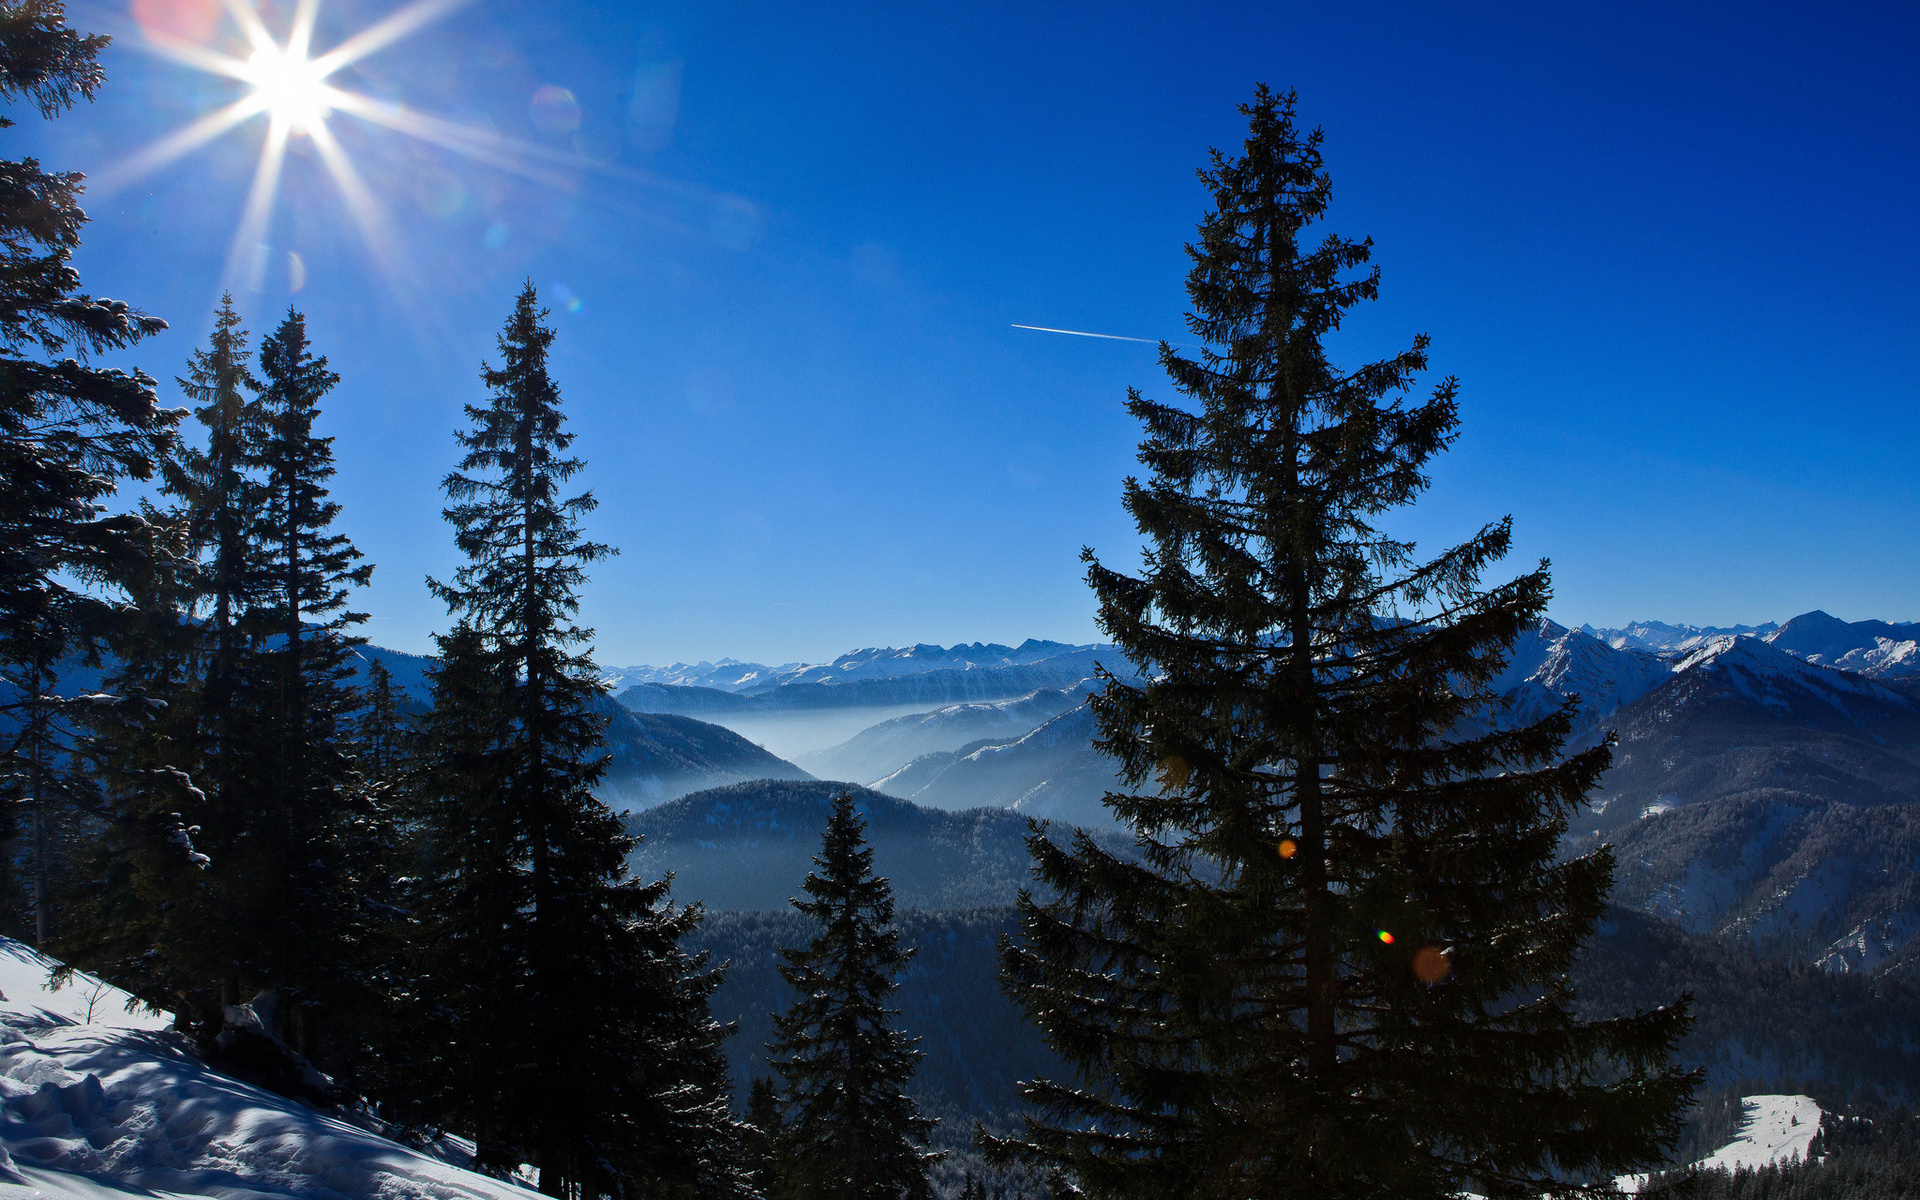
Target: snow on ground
(97, 1102)
(1773, 1129)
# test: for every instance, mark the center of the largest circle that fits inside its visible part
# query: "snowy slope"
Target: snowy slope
(1779, 680)
(1551, 662)
(1773, 1129)
(119, 1107)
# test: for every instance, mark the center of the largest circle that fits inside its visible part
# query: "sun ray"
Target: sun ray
(415, 16)
(248, 20)
(259, 208)
(174, 145)
(481, 145)
(192, 54)
(300, 40)
(364, 208)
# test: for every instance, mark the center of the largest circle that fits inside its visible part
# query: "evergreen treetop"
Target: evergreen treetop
(1338, 965)
(580, 1032)
(848, 1129)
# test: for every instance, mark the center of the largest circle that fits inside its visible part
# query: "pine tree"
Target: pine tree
(380, 732)
(585, 1041)
(172, 932)
(764, 1129)
(850, 1131)
(316, 837)
(69, 433)
(1338, 965)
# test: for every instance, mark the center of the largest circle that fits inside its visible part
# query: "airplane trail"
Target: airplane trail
(1112, 337)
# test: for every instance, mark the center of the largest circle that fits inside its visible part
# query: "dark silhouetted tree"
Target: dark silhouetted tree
(1338, 966)
(69, 433)
(584, 1041)
(850, 1131)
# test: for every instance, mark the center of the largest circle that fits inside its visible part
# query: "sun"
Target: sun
(287, 84)
(292, 89)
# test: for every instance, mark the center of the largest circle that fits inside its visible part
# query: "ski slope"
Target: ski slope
(98, 1102)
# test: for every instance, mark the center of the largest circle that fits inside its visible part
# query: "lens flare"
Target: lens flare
(1431, 964)
(1288, 847)
(293, 89)
(1386, 939)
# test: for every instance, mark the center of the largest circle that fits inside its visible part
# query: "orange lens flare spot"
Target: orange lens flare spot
(1431, 964)
(1173, 773)
(1386, 939)
(1288, 847)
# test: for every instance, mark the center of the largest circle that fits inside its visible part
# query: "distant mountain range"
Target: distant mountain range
(880, 662)
(1876, 648)
(934, 687)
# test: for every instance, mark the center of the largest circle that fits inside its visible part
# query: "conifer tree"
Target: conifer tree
(584, 1042)
(315, 834)
(850, 1132)
(380, 732)
(69, 433)
(1338, 965)
(175, 933)
(763, 1132)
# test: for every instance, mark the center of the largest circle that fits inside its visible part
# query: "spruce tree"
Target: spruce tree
(585, 1038)
(69, 433)
(175, 933)
(763, 1130)
(380, 733)
(316, 837)
(850, 1132)
(1338, 965)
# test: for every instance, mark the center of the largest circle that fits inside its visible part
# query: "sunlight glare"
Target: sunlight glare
(292, 87)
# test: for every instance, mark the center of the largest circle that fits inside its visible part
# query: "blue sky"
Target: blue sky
(1670, 254)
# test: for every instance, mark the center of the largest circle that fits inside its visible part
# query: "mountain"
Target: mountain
(1769, 801)
(932, 688)
(728, 675)
(1052, 773)
(895, 661)
(1658, 637)
(1874, 648)
(1550, 662)
(749, 845)
(1738, 715)
(658, 757)
(882, 749)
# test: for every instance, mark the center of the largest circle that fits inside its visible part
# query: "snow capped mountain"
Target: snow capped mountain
(1658, 637)
(1875, 648)
(878, 662)
(729, 674)
(1551, 662)
(1777, 679)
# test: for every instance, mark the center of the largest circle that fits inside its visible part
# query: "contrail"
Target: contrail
(1112, 337)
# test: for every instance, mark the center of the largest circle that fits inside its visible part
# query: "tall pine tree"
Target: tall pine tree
(315, 835)
(584, 1040)
(1338, 965)
(173, 932)
(849, 1132)
(69, 432)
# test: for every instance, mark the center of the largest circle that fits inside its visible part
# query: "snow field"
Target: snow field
(122, 1107)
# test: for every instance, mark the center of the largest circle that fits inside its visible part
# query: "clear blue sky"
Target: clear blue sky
(1670, 251)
